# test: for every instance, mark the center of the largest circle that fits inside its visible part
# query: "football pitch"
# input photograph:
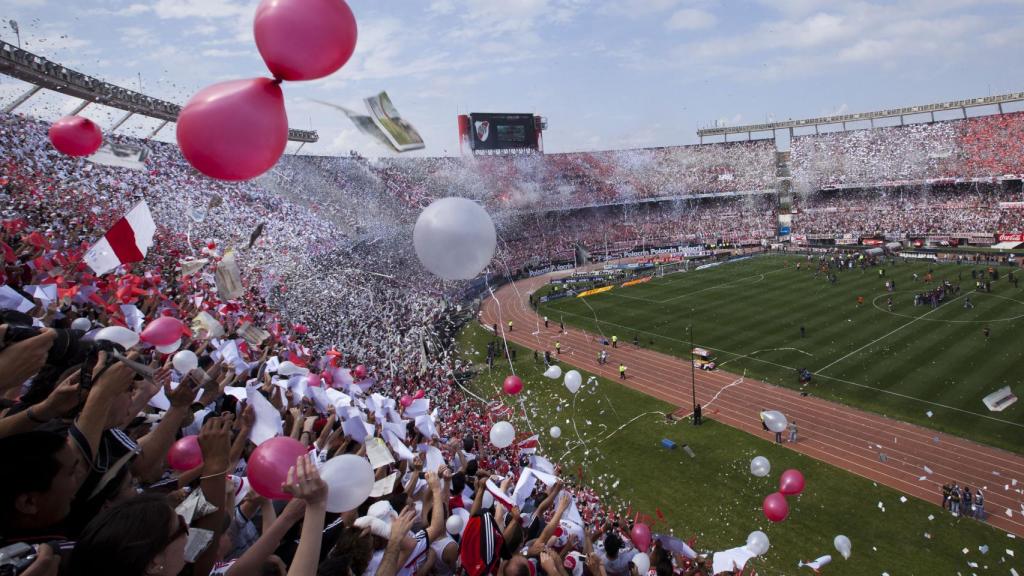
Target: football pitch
(930, 366)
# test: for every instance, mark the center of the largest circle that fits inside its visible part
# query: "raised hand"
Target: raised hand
(304, 483)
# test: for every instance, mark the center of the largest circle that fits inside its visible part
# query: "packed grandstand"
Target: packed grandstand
(330, 287)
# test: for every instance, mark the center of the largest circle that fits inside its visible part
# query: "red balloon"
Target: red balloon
(163, 331)
(513, 385)
(269, 464)
(359, 372)
(641, 536)
(76, 136)
(185, 454)
(419, 394)
(791, 482)
(406, 400)
(775, 507)
(234, 130)
(304, 39)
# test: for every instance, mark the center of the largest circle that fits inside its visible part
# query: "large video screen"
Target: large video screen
(502, 131)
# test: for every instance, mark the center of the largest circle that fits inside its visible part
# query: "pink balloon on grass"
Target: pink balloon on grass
(775, 507)
(791, 482)
(513, 385)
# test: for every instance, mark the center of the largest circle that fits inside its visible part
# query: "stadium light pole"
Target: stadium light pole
(693, 371)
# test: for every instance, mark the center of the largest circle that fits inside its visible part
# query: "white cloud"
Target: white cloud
(442, 7)
(222, 53)
(206, 9)
(691, 19)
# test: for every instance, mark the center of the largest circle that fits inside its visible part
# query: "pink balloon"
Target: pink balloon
(513, 385)
(775, 507)
(163, 331)
(359, 372)
(185, 454)
(313, 380)
(76, 136)
(419, 394)
(791, 482)
(304, 39)
(406, 401)
(234, 130)
(641, 537)
(269, 464)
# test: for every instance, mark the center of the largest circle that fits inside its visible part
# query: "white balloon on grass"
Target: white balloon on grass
(502, 434)
(118, 335)
(185, 361)
(843, 545)
(757, 543)
(573, 381)
(454, 238)
(83, 324)
(774, 420)
(642, 562)
(760, 466)
(170, 348)
(349, 481)
(555, 431)
(554, 372)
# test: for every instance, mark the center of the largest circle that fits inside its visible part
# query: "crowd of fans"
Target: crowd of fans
(333, 299)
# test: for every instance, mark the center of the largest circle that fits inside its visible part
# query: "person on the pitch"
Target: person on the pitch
(558, 347)
(615, 341)
(622, 371)
(509, 325)
(697, 415)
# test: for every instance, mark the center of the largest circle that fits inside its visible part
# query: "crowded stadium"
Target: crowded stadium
(788, 347)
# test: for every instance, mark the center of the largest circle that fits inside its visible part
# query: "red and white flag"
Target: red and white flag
(127, 241)
(529, 445)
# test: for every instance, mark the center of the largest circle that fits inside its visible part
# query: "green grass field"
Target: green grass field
(903, 363)
(613, 435)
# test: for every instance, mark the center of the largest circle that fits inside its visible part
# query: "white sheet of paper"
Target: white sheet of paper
(731, 559)
(433, 460)
(268, 422)
(401, 450)
(425, 425)
(384, 486)
(133, 317)
(319, 396)
(160, 401)
(238, 392)
(354, 428)
(418, 408)
(524, 487)
(198, 540)
(378, 453)
(397, 429)
(10, 299)
(547, 479)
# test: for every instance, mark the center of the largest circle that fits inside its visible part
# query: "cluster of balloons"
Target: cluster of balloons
(349, 477)
(237, 130)
(512, 385)
(164, 333)
(775, 506)
(502, 434)
(76, 136)
(454, 238)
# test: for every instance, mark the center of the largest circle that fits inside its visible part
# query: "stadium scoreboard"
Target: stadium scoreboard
(492, 133)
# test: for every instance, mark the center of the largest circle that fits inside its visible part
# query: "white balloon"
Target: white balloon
(760, 466)
(555, 431)
(573, 381)
(843, 545)
(83, 324)
(349, 481)
(454, 525)
(454, 238)
(554, 372)
(185, 361)
(642, 562)
(118, 335)
(502, 434)
(488, 500)
(170, 347)
(757, 543)
(775, 420)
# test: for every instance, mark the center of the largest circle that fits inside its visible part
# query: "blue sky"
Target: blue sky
(606, 74)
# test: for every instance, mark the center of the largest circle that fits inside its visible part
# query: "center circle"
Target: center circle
(874, 303)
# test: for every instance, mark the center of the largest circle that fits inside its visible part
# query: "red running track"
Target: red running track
(839, 435)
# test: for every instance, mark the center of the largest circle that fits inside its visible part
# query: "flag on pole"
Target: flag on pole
(127, 241)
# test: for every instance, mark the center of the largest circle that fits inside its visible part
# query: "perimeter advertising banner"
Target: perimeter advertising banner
(594, 291)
